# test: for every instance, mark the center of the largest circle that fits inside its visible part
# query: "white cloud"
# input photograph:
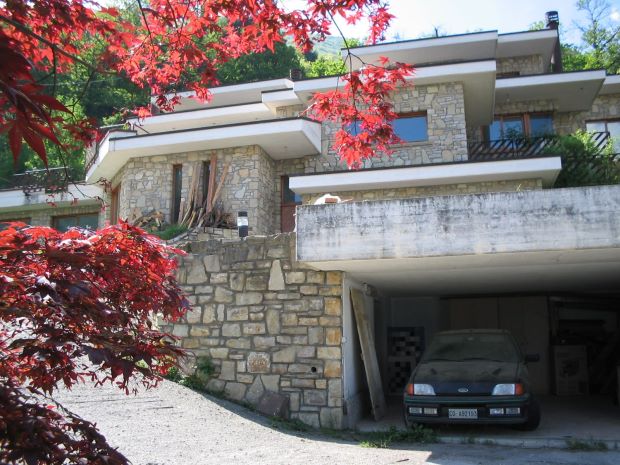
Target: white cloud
(615, 15)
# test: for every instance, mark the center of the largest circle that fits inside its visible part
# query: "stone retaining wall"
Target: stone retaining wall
(269, 324)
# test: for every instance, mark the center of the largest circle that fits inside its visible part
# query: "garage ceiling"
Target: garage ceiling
(592, 270)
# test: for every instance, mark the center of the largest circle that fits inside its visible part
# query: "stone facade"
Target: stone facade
(268, 324)
(523, 65)
(146, 184)
(564, 122)
(444, 105)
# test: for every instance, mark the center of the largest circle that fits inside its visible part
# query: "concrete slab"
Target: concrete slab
(565, 420)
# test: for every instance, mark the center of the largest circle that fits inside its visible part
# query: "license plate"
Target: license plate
(462, 413)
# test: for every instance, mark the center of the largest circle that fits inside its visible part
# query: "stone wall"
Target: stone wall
(524, 65)
(430, 191)
(146, 184)
(447, 139)
(268, 324)
(564, 122)
(604, 107)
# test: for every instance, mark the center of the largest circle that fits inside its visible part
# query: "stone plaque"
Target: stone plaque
(258, 362)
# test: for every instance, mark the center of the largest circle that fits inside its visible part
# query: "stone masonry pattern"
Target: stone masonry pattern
(267, 323)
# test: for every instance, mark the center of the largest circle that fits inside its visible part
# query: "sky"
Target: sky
(419, 17)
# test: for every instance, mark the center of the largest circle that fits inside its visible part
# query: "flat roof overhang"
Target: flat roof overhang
(528, 43)
(14, 200)
(281, 139)
(462, 47)
(573, 91)
(611, 85)
(232, 94)
(545, 168)
(190, 119)
(478, 78)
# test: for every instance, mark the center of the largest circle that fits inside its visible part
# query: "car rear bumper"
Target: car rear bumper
(482, 406)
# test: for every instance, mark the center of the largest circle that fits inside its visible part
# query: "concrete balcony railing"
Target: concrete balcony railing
(459, 225)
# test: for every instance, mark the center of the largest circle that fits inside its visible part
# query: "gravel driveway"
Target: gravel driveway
(173, 425)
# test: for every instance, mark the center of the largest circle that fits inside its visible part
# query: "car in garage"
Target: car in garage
(475, 376)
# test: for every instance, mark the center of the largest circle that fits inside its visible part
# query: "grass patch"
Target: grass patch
(384, 439)
(586, 445)
(198, 379)
(294, 424)
(171, 231)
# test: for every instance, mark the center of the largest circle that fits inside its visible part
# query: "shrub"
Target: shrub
(585, 161)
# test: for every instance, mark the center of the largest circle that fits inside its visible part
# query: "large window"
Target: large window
(88, 220)
(410, 127)
(177, 183)
(288, 201)
(526, 124)
(610, 126)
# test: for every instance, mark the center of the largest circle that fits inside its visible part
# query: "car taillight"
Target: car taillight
(409, 389)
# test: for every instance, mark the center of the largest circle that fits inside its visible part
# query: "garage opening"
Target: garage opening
(575, 334)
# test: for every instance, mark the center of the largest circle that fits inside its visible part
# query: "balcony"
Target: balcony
(517, 147)
(36, 189)
(48, 181)
(281, 138)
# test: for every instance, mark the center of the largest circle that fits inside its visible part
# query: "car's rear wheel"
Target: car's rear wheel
(533, 417)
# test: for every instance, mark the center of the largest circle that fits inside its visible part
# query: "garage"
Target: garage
(544, 265)
(573, 326)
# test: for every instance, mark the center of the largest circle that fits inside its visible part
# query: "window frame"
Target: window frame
(414, 114)
(525, 121)
(177, 192)
(73, 215)
(411, 114)
(606, 121)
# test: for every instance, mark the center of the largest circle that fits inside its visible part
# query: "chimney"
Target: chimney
(553, 22)
(295, 74)
(553, 19)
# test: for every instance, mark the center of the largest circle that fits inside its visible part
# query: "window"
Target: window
(611, 126)
(527, 124)
(114, 204)
(4, 224)
(410, 127)
(177, 183)
(87, 220)
(289, 200)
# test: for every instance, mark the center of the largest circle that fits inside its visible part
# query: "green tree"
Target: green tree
(260, 66)
(601, 38)
(324, 65)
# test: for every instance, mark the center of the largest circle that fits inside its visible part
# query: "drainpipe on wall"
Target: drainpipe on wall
(553, 22)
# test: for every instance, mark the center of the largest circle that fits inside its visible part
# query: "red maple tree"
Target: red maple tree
(171, 37)
(78, 305)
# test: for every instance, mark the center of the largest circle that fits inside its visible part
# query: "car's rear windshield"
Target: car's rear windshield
(463, 347)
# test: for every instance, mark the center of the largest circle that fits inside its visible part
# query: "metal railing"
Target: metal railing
(52, 180)
(525, 147)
